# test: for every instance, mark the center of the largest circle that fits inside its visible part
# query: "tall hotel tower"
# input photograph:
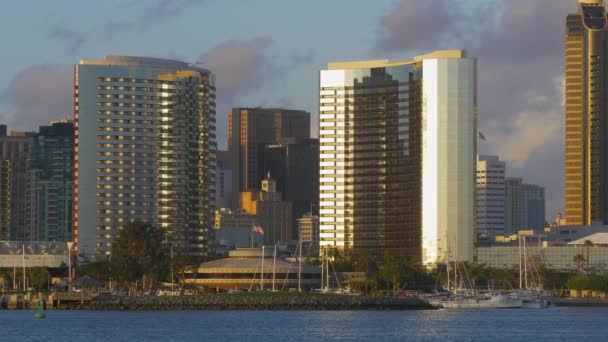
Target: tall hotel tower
(398, 156)
(144, 150)
(586, 176)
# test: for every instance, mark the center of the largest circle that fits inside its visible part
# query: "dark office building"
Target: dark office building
(14, 152)
(294, 164)
(50, 183)
(249, 131)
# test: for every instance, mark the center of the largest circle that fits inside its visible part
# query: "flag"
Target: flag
(258, 229)
(481, 136)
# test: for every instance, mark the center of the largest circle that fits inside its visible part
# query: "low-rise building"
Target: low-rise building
(251, 269)
(37, 254)
(557, 258)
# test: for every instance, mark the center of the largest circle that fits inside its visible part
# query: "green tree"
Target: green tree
(364, 261)
(579, 260)
(390, 272)
(476, 272)
(181, 265)
(100, 270)
(587, 245)
(39, 278)
(138, 257)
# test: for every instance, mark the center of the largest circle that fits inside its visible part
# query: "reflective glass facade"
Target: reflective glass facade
(371, 155)
(144, 150)
(586, 155)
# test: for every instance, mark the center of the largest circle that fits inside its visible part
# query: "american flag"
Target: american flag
(481, 136)
(258, 229)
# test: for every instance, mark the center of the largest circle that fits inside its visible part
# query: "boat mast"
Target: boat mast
(322, 265)
(300, 268)
(525, 264)
(327, 270)
(447, 264)
(262, 276)
(520, 255)
(274, 265)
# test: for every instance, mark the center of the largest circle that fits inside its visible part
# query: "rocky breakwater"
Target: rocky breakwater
(252, 301)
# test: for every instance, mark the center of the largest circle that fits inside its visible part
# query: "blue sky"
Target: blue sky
(268, 53)
(304, 36)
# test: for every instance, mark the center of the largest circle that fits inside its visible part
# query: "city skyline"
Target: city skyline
(523, 125)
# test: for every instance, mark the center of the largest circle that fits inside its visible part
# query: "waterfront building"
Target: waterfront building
(145, 150)
(242, 270)
(586, 154)
(223, 181)
(249, 131)
(397, 156)
(490, 196)
(50, 254)
(556, 258)
(294, 164)
(49, 185)
(14, 153)
(524, 206)
(308, 228)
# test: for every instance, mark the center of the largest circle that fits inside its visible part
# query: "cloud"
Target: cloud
(302, 57)
(73, 38)
(237, 64)
(165, 9)
(239, 67)
(519, 45)
(158, 12)
(37, 95)
(415, 24)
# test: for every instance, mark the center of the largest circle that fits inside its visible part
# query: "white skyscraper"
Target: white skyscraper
(490, 196)
(397, 163)
(144, 150)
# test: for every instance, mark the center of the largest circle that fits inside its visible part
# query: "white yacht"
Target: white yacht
(482, 301)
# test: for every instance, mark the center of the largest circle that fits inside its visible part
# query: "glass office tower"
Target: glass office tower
(144, 150)
(397, 156)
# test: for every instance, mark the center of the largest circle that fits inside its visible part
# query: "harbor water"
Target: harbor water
(553, 324)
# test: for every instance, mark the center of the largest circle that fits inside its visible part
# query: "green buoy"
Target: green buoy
(40, 313)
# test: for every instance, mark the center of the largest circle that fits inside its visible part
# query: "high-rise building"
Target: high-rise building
(308, 229)
(249, 130)
(397, 156)
(586, 160)
(524, 206)
(490, 196)
(14, 152)
(50, 180)
(145, 150)
(223, 181)
(294, 164)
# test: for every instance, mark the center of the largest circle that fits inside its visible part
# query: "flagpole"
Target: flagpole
(262, 276)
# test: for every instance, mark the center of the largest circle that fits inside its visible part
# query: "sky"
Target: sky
(269, 52)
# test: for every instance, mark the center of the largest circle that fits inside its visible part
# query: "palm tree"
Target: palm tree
(588, 244)
(579, 260)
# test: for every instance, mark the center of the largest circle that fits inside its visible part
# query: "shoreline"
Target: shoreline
(246, 301)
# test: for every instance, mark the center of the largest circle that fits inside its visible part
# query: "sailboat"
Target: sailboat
(462, 297)
(531, 293)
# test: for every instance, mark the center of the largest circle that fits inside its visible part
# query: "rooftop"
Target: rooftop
(380, 63)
